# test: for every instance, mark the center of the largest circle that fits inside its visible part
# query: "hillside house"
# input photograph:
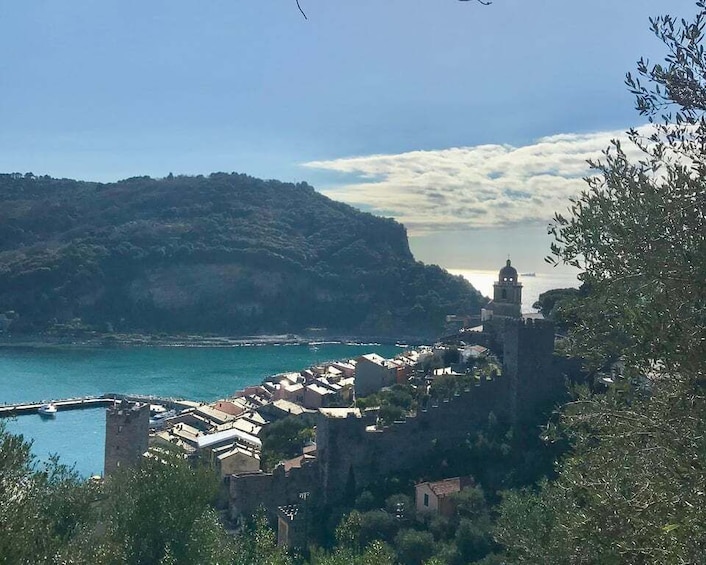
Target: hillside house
(347, 368)
(282, 409)
(229, 407)
(233, 459)
(373, 372)
(473, 352)
(436, 496)
(291, 392)
(317, 396)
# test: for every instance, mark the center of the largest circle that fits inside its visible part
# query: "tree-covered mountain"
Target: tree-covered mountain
(226, 253)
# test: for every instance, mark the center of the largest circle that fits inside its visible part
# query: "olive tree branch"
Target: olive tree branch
(484, 2)
(300, 9)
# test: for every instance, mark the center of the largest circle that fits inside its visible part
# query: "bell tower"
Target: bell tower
(507, 289)
(507, 295)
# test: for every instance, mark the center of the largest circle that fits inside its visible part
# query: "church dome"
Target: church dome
(508, 273)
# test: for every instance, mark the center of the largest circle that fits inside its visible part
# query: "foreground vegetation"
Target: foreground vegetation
(168, 510)
(631, 490)
(165, 511)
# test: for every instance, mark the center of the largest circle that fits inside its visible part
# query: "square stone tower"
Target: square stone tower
(126, 434)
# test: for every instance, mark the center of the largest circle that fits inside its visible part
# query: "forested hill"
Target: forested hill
(226, 253)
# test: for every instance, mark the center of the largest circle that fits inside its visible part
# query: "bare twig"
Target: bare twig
(300, 9)
(484, 2)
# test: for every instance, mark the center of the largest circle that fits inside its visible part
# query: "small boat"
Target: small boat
(159, 420)
(156, 409)
(47, 410)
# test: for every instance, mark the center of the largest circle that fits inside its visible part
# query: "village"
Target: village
(344, 423)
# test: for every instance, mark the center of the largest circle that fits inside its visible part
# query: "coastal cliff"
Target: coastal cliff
(224, 253)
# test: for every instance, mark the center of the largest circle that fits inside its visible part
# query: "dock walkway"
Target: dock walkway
(97, 401)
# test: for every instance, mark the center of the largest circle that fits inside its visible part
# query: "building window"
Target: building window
(504, 293)
(426, 499)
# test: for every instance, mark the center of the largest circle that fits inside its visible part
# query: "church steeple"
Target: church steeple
(508, 273)
(507, 293)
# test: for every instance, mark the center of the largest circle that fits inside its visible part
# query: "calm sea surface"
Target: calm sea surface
(196, 373)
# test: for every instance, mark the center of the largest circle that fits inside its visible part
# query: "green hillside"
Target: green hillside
(226, 253)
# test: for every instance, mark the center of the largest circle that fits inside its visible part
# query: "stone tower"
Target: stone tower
(507, 295)
(126, 434)
(528, 347)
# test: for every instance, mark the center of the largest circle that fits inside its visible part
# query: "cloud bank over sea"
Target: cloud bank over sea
(482, 186)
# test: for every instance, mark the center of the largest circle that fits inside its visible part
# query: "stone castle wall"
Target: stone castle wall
(250, 491)
(349, 456)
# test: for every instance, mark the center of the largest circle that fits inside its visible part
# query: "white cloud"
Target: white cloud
(471, 187)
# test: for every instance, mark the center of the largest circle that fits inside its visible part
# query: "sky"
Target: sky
(469, 124)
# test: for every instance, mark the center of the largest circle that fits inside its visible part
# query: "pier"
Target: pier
(66, 404)
(98, 401)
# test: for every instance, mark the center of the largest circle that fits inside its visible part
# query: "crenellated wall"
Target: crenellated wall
(352, 452)
(270, 490)
(352, 455)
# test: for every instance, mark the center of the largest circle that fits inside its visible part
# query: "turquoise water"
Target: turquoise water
(196, 373)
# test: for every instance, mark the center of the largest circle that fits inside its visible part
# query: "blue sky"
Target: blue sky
(470, 124)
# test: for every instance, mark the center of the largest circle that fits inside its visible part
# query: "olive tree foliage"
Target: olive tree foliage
(633, 490)
(633, 487)
(376, 553)
(159, 512)
(257, 543)
(638, 232)
(42, 506)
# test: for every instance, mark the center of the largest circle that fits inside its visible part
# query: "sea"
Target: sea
(43, 373)
(34, 374)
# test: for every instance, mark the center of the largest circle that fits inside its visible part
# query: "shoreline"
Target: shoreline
(40, 341)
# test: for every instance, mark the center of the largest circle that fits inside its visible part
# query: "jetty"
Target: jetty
(96, 401)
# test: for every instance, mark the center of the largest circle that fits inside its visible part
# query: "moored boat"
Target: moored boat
(47, 410)
(159, 420)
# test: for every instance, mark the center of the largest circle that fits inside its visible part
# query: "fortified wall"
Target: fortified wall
(352, 452)
(250, 491)
(533, 380)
